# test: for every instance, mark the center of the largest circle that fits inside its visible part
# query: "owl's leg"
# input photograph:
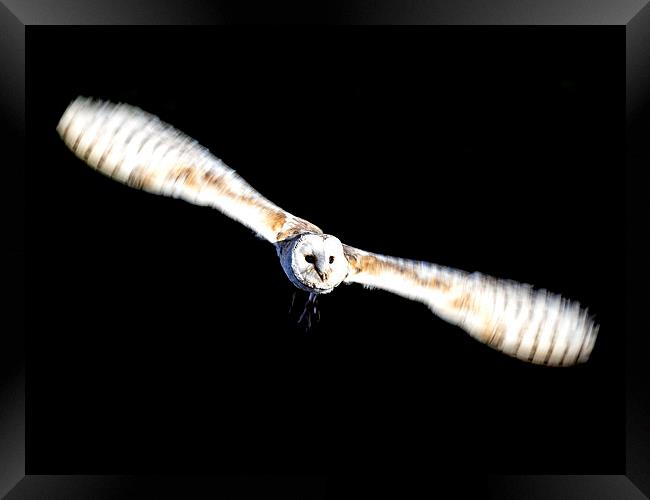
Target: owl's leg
(310, 312)
(293, 299)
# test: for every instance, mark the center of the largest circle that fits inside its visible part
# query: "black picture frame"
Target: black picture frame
(633, 16)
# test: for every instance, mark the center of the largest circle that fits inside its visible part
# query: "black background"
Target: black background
(158, 333)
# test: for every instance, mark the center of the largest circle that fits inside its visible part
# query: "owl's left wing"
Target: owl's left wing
(532, 325)
(136, 148)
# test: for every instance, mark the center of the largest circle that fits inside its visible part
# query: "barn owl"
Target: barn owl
(136, 148)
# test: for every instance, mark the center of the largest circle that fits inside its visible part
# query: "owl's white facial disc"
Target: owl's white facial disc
(318, 263)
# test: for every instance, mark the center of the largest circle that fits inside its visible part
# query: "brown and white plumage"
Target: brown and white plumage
(532, 325)
(137, 149)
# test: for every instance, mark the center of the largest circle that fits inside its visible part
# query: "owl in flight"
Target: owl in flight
(137, 149)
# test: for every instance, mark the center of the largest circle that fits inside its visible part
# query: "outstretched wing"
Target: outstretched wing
(532, 325)
(138, 149)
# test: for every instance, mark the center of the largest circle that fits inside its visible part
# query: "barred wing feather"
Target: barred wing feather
(532, 325)
(138, 149)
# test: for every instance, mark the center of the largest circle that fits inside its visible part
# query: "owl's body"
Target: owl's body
(137, 149)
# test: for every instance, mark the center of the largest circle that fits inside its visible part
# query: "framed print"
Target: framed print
(165, 352)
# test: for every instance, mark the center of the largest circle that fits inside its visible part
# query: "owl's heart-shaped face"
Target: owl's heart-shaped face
(317, 263)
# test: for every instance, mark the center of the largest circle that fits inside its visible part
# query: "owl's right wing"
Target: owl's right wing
(532, 325)
(136, 148)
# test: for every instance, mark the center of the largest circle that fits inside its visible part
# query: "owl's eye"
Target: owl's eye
(310, 259)
(331, 259)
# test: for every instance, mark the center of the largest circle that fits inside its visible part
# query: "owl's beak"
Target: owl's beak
(321, 274)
